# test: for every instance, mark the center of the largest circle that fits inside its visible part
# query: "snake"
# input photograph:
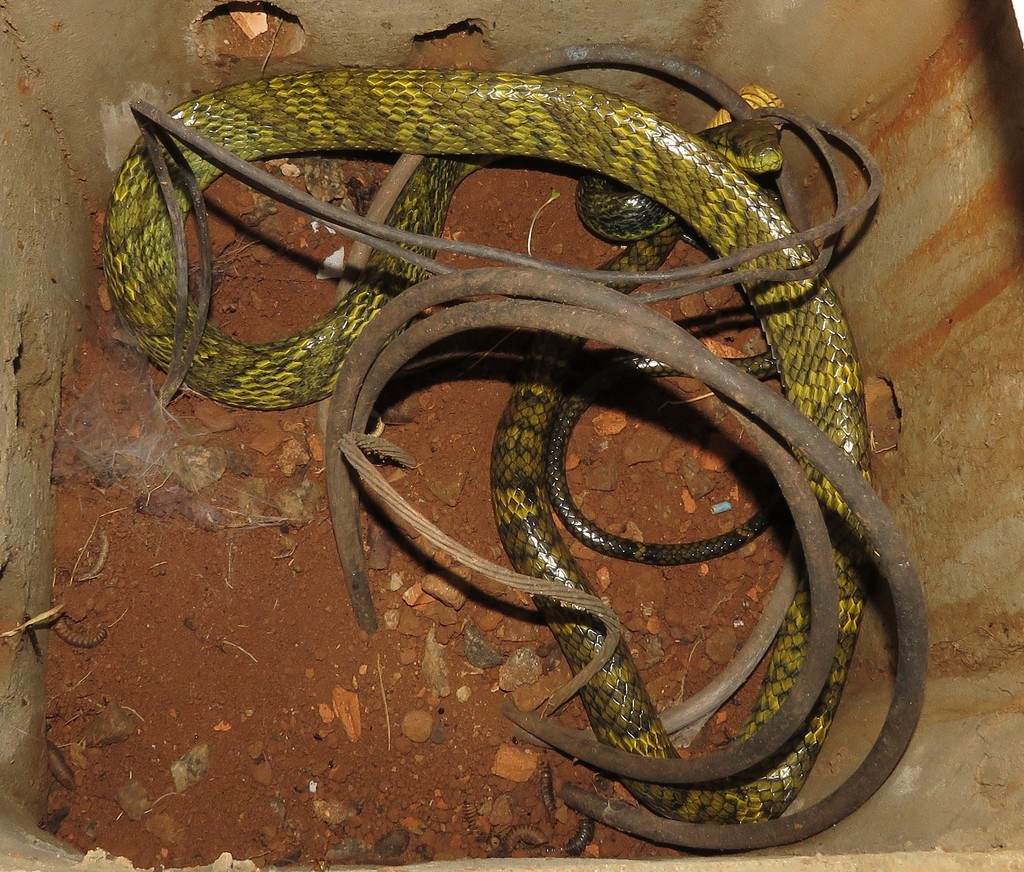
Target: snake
(471, 113)
(623, 216)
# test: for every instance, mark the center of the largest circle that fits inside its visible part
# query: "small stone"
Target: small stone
(215, 417)
(602, 476)
(298, 503)
(347, 851)
(479, 651)
(441, 615)
(254, 498)
(198, 466)
(500, 814)
(463, 693)
(263, 774)
(444, 591)
(530, 696)
(392, 844)
(113, 724)
(325, 179)
(269, 437)
(416, 725)
(333, 812)
(409, 623)
(514, 763)
(697, 481)
(191, 767)
(652, 447)
(654, 648)
(448, 488)
(164, 827)
(517, 631)
(380, 549)
(720, 646)
(133, 799)
(225, 863)
(292, 457)
(435, 670)
(523, 666)
(609, 423)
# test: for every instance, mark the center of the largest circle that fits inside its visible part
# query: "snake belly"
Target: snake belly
(478, 113)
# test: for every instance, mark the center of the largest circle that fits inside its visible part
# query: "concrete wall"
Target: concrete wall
(932, 290)
(45, 251)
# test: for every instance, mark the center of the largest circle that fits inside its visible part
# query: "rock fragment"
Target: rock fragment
(191, 767)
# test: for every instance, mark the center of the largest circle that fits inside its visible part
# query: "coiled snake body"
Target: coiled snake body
(468, 113)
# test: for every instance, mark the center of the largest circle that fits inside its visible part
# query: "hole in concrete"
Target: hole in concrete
(468, 26)
(31, 372)
(250, 30)
(462, 45)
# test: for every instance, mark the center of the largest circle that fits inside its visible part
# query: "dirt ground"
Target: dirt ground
(226, 701)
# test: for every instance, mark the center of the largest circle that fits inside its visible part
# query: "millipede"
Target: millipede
(78, 635)
(547, 788)
(523, 834)
(59, 767)
(583, 836)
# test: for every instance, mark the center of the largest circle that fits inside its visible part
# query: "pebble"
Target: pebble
(165, 828)
(514, 763)
(348, 850)
(609, 423)
(648, 449)
(500, 814)
(448, 488)
(298, 502)
(214, 417)
(111, 725)
(697, 481)
(191, 767)
(334, 812)
(417, 725)
(523, 666)
(435, 670)
(444, 591)
(392, 844)
(292, 457)
(529, 696)
(381, 549)
(720, 646)
(263, 774)
(133, 799)
(463, 693)
(602, 476)
(654, 649)
(479, 652)
(409, 623)
(269, 437)
(253, 497)
(198, 466)
(325, 180)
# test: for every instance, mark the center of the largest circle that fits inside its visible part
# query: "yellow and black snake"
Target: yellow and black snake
(473, 113)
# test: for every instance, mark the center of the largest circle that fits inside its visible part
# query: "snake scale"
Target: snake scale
(477, 113)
